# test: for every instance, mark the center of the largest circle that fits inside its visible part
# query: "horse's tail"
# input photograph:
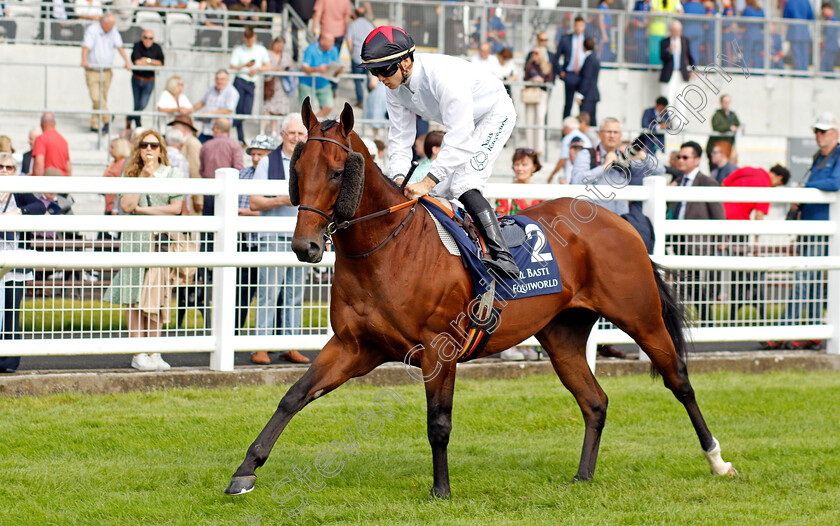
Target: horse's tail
(673, 315)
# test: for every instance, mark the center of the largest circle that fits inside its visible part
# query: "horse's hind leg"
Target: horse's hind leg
(565, 342)
(334, 365)
(657, 343)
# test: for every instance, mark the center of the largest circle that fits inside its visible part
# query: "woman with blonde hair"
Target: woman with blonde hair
(172, 99)
(277, 89)
(147, 159)
(6, 144)
(539, 70)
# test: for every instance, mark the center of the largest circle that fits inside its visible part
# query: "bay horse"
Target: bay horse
(410, 288)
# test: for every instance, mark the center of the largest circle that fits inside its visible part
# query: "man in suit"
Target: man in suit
(688, 161)
(571, 49)
(587, 91)
(654, 122)
(28, 163)
(676, 56)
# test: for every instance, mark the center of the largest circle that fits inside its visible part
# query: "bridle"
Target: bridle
(333, 226)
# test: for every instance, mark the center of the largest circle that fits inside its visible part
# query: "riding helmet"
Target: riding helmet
(385, 46)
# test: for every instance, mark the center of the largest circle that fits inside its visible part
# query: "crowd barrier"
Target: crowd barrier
(766, 45)
(748, 274)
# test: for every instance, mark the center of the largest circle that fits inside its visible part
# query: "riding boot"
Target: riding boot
(502, 262)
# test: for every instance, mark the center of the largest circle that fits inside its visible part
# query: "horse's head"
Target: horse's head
(326, 181)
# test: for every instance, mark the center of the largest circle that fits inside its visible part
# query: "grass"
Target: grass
(164, 457)
(70, 314)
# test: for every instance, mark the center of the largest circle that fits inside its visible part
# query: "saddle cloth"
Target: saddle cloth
(539, 274)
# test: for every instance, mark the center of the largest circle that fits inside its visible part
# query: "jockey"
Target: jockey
(479, 118)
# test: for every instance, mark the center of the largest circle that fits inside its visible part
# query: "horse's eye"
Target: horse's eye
(337, 174)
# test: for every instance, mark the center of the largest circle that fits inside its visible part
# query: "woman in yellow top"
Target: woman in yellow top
(658, 26)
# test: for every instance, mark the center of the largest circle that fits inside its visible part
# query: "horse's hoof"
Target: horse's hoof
(241, 485)
(731, 472)
(576, 479)
(435, 494)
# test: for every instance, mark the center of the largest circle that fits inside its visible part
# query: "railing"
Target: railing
(91, 326)
(455, 28)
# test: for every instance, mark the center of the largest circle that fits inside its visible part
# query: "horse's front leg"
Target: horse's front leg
(440, 388)
(335, 364)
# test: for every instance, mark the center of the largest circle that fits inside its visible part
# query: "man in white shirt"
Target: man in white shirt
(484, 60)
(101, 39)
(476, 111)
(247, 60)
(571, 130)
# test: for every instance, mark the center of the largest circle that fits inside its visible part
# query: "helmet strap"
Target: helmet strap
(404, 71)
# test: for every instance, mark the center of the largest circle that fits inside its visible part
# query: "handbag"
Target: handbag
(268, 88)
(532, 95)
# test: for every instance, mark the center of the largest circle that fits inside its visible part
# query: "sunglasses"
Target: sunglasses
(9, 167)
(152, 145)
(148, 38)
(818, 131)
(685, 157)
(385, 71)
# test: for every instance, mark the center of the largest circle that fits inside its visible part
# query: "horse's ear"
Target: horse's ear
(306, 114)
(294, 189)
(347, 118)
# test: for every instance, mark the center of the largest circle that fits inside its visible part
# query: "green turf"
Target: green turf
(165, 457)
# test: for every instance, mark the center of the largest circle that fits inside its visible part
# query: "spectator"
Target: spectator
(219, 152)
(431, 148)
(537, 70)
(729, 31)
(829, 43)
(725, 123)
(655, 120)
(12, 282)
(279, 288)
(221, 99)
(376, 107)
(174, 143)
(749, 177)
(144, 315)
(50, 149)
(526, 162)
(246, 283)
(100, 40)
(485, 60)
(605, 52)
(809, 285)
(709, 32)
(318, 58)
(777, 53)
(595, 166)
(571, 49)
(638, 52)
(799, 35)
(8, 28)
(248, 60)
(6, 145)
(571, 130)
(242, 19)
(191, 149)
(123, 11)
(640, 164)
(507, 69)
(147, 53)
(586, 128)
(657, 28)
(689, 163)
(496, 34)
(587, 92)
(305, 9)
(281, 88)
(173, 100)
(753, 36)
(676, 61)
(28, 161)
(693, 27)
(332, 17)
(720, 165)
(120, 151)
(542, 40)
(357, 31)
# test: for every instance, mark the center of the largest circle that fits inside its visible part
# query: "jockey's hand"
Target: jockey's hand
(415, 190)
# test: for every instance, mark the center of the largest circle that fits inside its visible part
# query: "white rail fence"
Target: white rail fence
(755, 258)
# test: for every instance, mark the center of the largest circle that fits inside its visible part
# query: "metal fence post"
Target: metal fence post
(224, 278)
(833, 311)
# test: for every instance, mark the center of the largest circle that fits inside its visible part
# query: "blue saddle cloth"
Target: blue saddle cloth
(538, 271)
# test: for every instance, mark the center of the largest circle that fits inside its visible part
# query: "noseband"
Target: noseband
(333, 227)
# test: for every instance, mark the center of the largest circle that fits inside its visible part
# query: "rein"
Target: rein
(333, 227)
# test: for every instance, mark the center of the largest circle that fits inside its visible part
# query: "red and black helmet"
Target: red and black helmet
(384, 48)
